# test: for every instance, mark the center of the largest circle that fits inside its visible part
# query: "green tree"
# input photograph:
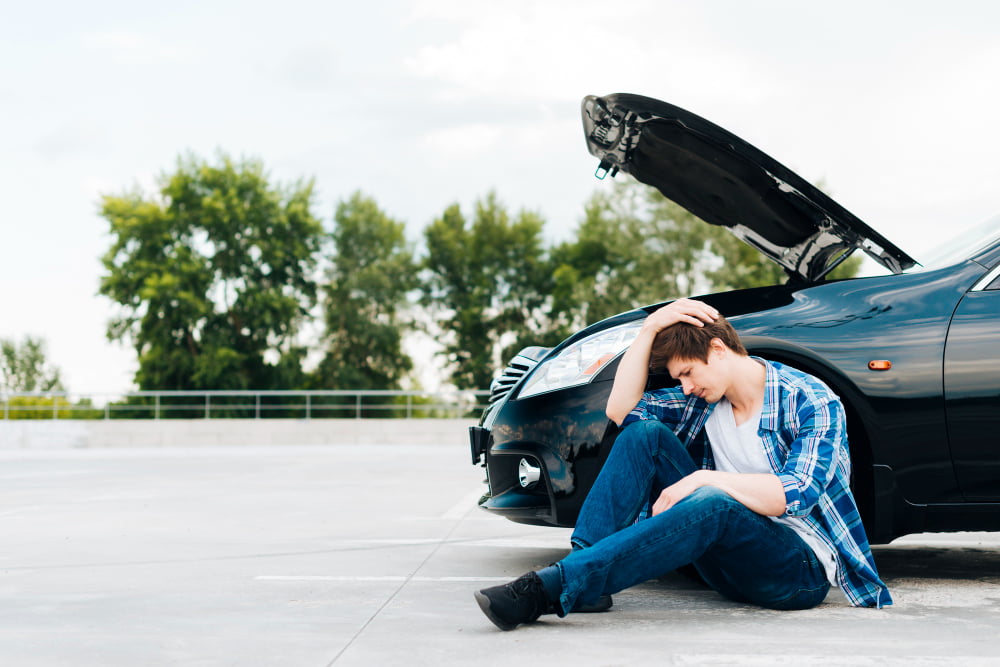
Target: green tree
(213, 276)
(373, 270)
(632, 248)
(24, 367)
(739, 265)
(487, 284)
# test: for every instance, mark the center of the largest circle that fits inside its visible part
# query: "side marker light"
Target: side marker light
(879, 365)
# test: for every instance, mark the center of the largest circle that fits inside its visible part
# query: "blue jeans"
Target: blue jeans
(743, 555)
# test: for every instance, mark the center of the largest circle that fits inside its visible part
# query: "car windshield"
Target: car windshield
(963, 246)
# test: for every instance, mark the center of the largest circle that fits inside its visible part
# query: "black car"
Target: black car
(914, 355)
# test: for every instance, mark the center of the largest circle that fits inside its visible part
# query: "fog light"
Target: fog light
(528, 474)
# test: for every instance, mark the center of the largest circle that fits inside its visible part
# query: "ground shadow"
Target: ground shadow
(893, 562)
(926, 562)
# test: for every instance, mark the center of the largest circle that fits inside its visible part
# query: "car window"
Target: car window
(963, 246)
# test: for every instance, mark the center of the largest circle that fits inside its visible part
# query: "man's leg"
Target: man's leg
(646, 457)
(742, 554)
(787, 575)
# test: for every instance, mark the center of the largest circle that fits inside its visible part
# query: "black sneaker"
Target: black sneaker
(520, 601)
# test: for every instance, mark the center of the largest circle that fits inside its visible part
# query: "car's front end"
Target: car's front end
(881, 343)
(545, 425)
(543, 451)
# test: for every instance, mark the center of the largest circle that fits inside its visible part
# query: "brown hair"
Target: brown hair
(687, 341)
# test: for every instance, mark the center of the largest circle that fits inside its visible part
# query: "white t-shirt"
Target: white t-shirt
(740, 449)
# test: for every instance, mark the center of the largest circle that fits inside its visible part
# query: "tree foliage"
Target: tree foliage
(373, 270)
(486, 283)
(495, 288)
(213, 276)
(632, 248)
(24, 367)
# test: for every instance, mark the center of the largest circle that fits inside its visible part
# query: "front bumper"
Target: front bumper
(565, 434)
(479, 442)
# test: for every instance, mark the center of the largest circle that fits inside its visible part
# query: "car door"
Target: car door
(972, 389)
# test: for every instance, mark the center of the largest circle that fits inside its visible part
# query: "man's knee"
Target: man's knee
(648, 432)
(660, 441)
(645, 428)
(639, 436)
(714, 497)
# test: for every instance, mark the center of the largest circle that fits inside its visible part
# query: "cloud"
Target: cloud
(553, 52)
(136, 48)
(308, 68)
(72, 138)
(465, 141)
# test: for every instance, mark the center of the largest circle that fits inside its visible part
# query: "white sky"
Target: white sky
(421, 104)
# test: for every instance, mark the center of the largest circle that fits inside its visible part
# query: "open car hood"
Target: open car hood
(725, 181)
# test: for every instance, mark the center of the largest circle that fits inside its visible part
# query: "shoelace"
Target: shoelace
(525, 586)
(532, 589)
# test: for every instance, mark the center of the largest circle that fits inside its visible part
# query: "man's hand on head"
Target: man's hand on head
(688, 311)
(633, 369)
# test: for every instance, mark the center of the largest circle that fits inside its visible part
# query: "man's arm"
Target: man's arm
(760, 492)
(633, 369)
(817, 448)
(811, 462)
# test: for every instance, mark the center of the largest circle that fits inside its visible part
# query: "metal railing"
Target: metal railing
(271, 404)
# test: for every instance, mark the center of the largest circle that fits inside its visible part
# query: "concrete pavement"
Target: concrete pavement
(368, 555)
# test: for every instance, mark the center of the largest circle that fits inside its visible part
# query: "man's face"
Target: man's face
(697, 378)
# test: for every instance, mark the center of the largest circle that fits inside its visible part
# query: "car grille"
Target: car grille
(516, 369)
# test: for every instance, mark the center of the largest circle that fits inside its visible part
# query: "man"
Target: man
(764, 513)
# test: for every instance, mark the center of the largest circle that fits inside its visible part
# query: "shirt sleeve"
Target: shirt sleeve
(660, 405)
(818, 439)
(639, 413)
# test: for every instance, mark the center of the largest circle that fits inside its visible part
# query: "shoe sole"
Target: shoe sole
(484, 604)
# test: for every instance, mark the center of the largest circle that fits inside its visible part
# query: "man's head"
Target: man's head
(697, 356)
(686, 341)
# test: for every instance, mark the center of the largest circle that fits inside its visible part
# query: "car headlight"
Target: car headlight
(578, 363)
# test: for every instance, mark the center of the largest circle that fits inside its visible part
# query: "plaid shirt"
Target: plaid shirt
(803, 428)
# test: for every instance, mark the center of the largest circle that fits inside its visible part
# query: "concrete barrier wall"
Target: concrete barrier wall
(32, 434)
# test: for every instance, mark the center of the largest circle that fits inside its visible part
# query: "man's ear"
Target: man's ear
(716, 346)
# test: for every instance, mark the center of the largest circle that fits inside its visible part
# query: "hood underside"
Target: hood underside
(725, 181)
